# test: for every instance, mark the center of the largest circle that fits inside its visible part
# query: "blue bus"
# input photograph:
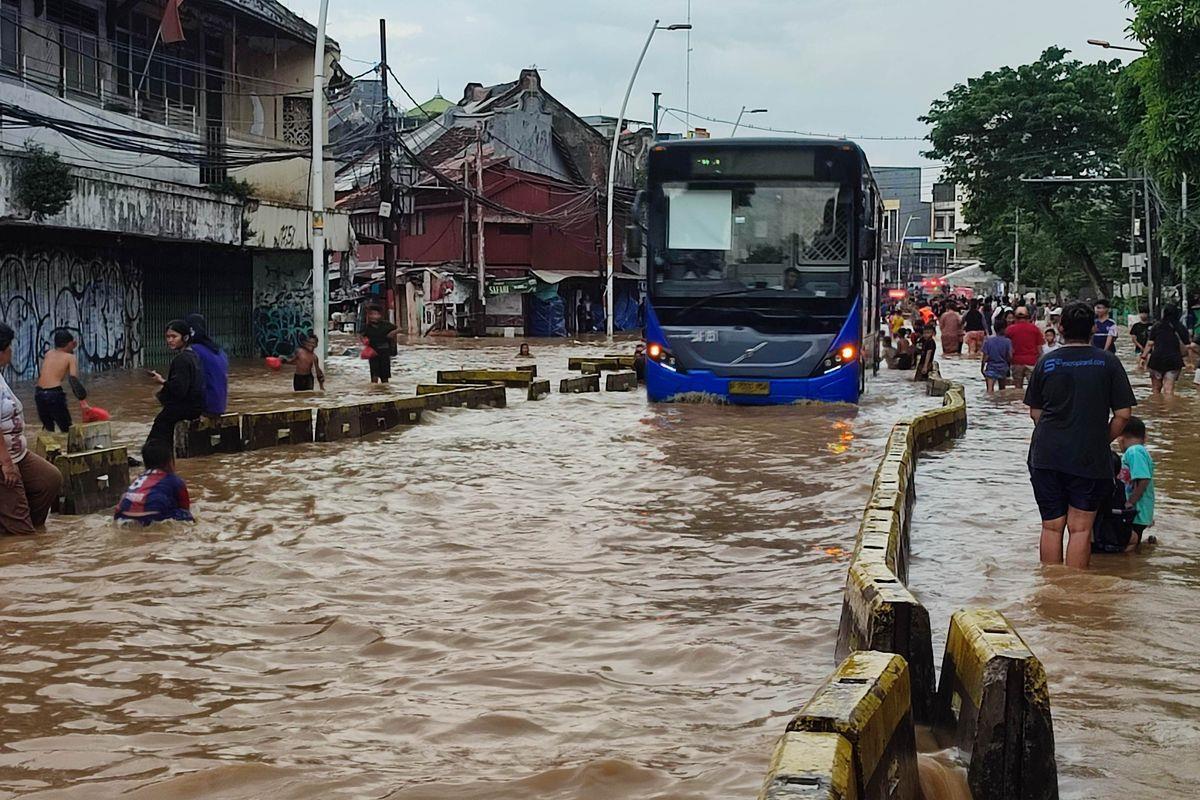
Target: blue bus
(763, 270)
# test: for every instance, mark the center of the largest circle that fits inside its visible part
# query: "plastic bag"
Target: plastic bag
(92, 413)
(367, 351)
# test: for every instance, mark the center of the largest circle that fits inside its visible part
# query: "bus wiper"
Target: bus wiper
(714, 295)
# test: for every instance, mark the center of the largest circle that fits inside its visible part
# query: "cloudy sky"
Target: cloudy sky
(855, 67)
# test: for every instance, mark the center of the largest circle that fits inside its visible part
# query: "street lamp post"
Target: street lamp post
(739, 118)
(1110, 46)
(317, 189)
(612, 169)
(900, 250)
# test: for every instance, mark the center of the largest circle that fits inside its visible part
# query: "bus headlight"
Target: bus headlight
(656, 352)
(839, 356)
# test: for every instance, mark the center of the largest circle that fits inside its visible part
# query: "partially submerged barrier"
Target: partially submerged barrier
(89, 436)
(994, 705)
(455, 396)
(274, 428)
(867, 701)
(539, 390)
(621, 382)
(93, 480)
(808, 766)
(595, 364)
(584, 383)
(350, 422)
(209, 435)
(992, 702)
(513, 378)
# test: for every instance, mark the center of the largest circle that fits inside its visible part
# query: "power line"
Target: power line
(730, 122)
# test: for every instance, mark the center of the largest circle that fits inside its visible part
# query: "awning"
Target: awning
(558, 276)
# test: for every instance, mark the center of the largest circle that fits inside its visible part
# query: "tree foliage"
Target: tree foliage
(44, 184)
(1160, 101)
(1054, 117)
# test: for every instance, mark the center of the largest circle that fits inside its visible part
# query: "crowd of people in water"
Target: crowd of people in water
(1064, 362)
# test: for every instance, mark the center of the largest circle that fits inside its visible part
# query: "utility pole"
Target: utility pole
(386, 193)
(1017, 257)
(466, 229)
(317, 188)
(659, 94)
(1151, 279)
(481, 323)
(1183, 213)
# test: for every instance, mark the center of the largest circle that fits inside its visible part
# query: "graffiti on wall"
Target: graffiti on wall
(283, 313)
(89, 292)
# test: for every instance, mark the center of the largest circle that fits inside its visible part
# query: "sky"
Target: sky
(845, 67)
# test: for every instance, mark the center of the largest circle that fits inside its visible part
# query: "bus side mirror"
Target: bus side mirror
(866, 244)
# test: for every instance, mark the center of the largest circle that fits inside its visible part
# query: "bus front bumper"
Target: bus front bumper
(665, 385)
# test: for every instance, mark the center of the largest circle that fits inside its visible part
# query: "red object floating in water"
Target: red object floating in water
(93, 413)
(274, 362)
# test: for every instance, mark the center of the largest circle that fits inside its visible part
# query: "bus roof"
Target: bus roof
(763, 141)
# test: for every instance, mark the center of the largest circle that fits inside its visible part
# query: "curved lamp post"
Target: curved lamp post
(612, 169)
(743, 112)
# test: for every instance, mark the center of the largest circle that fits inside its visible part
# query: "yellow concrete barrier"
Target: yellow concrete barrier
(867, 701)
(585, 383)
(348, 422)
(596, 364)
(491, 395)
(209, 435)
(276, 428)
(621, 382)
(625, 361)
(808, 766)
(539, 390)
(880, 613)
(515, 378)
(93, 481)
(49, 445)
(993, 703)
(89, 436)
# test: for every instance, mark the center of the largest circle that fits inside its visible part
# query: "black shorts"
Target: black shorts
(1056, 491)
(302, 383)
(52, 408)
(381, 367)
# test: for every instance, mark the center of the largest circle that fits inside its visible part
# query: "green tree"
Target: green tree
(1160, 102)
(1054, 117)
(44, 184)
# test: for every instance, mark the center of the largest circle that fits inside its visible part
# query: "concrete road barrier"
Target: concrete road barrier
(624, 361)
(468, 396)
(993, 703)
(621, 382)
(596, 364)
(89, 436)
(880, 613)
(94, 480)
(584, 383)
(514, 378)
(867, 702)
(349, 422)
(49, 445)
(811, 766)
(209, 435)
(277, 428)
(539, 390)
(530, 368)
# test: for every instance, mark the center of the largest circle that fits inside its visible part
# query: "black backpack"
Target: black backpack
(1113, 528)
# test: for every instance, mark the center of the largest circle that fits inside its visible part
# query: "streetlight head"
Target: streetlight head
(757, 111)
(1100, 43)
(683, 26)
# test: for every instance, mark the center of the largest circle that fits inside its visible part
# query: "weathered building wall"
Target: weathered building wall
(283, 307)
(94, 292)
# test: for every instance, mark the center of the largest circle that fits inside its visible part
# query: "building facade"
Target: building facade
(188, 176)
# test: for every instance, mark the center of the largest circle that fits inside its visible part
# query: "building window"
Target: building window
(78, 54)
(297, 121)
(891, 220)
(10, 36)
(943, 223)
(416, 223)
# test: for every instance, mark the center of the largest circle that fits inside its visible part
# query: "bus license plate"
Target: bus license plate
(758, 388)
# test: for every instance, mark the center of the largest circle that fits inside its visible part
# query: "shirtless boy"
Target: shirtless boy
(58, 364)
(307, 364)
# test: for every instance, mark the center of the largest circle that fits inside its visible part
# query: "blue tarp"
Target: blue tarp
(547, 317)
(625, 311)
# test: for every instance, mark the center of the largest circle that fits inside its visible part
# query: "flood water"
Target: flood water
(584, 597)
(1119, 642)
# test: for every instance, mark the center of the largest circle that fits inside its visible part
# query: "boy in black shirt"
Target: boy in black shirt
(924, 353)
(1140, 333)
(1079, 399)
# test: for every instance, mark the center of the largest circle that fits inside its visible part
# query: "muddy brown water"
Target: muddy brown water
(585, 597)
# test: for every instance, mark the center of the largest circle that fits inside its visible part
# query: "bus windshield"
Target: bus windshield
(765, 238)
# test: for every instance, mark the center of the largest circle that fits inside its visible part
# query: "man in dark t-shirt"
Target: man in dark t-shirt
(381, 336)
(1079, 398)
